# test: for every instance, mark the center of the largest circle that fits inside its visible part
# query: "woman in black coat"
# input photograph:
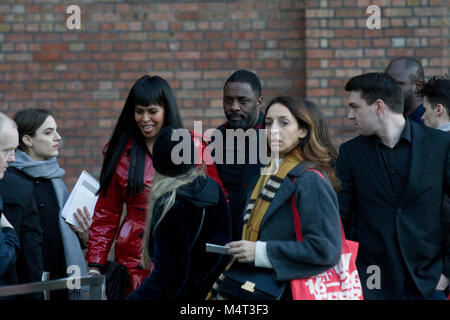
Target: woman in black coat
(36, 164)
(187, 210)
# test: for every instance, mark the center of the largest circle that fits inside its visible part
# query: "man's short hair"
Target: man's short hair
(437, 90)
(246, 76)
(412, 65)
(378, 85)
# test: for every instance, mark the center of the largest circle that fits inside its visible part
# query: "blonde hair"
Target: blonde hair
(167, 187)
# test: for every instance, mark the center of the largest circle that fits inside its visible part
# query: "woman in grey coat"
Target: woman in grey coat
(36, 162)
(269, 238)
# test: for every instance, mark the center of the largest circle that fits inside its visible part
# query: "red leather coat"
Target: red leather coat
(108, 211)
(200, 143)
(106, 219)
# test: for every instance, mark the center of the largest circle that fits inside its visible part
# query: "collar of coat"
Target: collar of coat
(259, 123)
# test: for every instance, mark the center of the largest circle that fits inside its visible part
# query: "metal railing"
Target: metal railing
(96, 286)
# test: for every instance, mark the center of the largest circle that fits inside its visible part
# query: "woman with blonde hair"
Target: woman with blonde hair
(187, 210)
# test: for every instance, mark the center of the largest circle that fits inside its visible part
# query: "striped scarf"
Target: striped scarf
(260, 200)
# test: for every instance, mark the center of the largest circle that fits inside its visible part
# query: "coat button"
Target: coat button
(141, 235)
(36, 182)
(41, 205)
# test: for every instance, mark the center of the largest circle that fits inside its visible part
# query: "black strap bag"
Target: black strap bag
(244, 281)
(116, 279)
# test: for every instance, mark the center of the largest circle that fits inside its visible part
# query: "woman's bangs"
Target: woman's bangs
(146, 96)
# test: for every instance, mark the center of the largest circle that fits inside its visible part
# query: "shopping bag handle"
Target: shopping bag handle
(296, 214)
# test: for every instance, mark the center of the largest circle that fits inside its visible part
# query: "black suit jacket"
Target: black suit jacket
(404, 237)
(20, 209)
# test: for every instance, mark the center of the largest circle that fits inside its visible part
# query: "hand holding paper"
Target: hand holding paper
(84, 220)
(82, 195)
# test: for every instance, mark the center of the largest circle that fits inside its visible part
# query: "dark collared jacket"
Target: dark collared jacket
(239, 184)
(20, 210)
(402, 236)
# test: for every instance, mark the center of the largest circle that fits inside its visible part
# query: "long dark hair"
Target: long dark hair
(145, 92)
(315, 147)
(28, 121)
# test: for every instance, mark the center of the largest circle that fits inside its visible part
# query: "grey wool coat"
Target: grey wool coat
(318, 207)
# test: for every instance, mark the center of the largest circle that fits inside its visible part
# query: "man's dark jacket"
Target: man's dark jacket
(9, 248)
(20, 209)
(239, 186)
(397, 237)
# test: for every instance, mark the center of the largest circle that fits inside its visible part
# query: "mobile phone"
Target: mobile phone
(214, 248)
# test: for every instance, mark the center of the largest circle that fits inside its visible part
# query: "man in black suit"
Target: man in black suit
(393, 177)
(20, 209)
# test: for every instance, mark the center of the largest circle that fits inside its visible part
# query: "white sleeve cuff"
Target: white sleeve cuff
(261, 257)
(443, 283)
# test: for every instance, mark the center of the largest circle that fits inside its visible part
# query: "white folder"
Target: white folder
(82, 195)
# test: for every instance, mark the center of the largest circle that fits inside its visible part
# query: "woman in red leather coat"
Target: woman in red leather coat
(126, 177)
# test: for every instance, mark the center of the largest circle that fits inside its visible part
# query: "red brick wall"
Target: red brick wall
(306, 48)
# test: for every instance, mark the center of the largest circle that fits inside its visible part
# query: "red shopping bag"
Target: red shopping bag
(338, 283)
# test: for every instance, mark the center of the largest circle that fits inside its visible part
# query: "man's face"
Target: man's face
(241, 105)
(363, 115)
(9, 140)
(430, 116)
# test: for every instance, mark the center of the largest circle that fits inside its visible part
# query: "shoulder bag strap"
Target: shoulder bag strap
(199, 230)
(296, 214)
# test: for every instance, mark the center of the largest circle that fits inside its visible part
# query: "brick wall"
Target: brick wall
(305, 48)
(339, 46)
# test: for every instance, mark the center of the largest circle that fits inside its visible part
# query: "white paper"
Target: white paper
(82, 195)
(214, 248)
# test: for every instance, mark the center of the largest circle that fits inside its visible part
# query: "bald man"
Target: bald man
(9, 243)
(9, 140)
(408, 72)
(20, 210)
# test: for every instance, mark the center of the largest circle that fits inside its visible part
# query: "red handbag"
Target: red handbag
(338, 283)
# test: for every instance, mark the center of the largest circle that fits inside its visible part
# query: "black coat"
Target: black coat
(401, 238)
(239, 179)
(20, 209)
(181, 272)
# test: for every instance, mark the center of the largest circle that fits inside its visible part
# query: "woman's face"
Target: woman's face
(45, 142)
(150, 120)
(283, 129)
